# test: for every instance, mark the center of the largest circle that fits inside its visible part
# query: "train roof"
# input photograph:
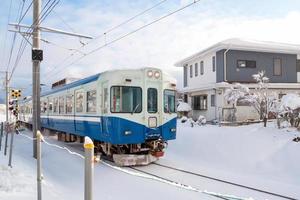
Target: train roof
(73, 84)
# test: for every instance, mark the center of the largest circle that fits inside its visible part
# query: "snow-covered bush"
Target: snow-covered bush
(288, 109)
(183, 108)
(201, 120)
(183, 119)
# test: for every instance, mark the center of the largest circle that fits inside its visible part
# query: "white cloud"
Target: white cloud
(160, 45)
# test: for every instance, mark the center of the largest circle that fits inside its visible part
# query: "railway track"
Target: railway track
(214, 179)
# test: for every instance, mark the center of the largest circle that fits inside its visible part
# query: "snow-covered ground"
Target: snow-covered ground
(264, 158)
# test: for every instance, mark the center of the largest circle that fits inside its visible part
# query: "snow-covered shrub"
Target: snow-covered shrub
(201, 120)
(183, 108)
(183, 119)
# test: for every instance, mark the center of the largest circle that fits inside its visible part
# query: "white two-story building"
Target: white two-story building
(207, 73)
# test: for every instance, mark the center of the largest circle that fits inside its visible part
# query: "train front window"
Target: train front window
(152, 100)
(125, 99)
(169, 101)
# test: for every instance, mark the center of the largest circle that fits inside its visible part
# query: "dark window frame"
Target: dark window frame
(214, 63)
(202, 67)
(212, 100)
(173, 103)
(196, 69)
(247, 64)
(156, 109)
(110, 107)
(199, 105)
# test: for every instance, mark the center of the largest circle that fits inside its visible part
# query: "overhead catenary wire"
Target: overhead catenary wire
(5, 34)
(106, 32)
(23, 43)
(125, 35)
(42, 17)
(15, 35)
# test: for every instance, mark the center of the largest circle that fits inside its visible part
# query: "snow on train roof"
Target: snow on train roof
(245, 44)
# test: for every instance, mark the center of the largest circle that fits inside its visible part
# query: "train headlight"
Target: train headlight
(173, 130)
(157, 74)
(150, 73)
(127, 132)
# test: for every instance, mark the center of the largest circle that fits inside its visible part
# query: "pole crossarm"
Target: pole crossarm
(18, 27)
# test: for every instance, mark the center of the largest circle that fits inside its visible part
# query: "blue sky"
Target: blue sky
(159, 45)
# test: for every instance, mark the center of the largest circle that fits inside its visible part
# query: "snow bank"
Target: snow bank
(2, 112)
(13, 181)
(183, 107)
(290, 101)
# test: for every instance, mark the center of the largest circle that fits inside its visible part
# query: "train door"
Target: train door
(153, 109)
(104, 108)
(79, 110)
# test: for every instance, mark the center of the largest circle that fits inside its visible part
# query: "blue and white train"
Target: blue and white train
(130, 114)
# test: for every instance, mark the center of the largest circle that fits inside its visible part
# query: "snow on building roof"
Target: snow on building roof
(245, 44)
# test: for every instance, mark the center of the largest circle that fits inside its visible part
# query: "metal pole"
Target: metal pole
(36, 73)
(88, 168)
(1, 135)
(39, 165)
(6, 111)
(11, 148)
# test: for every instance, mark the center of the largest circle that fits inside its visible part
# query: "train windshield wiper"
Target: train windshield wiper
(136, 107)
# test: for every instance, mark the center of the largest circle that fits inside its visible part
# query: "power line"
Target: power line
(127, 34)
(29, 32)
(108, 31)
(5, 36)
(15, 35)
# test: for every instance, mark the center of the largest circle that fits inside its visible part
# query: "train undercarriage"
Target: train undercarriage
(122, 155)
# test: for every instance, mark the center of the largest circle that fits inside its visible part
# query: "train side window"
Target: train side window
(91, 101)
(105, 100)
(61, 105)
(69, 104)
(152, 100)
(79, 102)
(50, 105)
(55, 105)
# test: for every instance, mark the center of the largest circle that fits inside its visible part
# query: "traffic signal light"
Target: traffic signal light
(15, 93)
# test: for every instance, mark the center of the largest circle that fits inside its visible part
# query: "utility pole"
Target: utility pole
(6, 111)
(37, 56)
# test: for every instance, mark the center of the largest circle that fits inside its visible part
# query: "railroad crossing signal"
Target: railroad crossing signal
(15, 93)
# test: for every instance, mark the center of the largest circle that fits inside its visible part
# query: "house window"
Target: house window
(212, 100)
(214, 63)
(91, 101)
(69, 104)
(277, 67)
(185, 74)
(298, 66)
(191, 71)
(196, 69)
(79, 102)
(199, 102)
(201, 67)
(185, 98)
(246, 64)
